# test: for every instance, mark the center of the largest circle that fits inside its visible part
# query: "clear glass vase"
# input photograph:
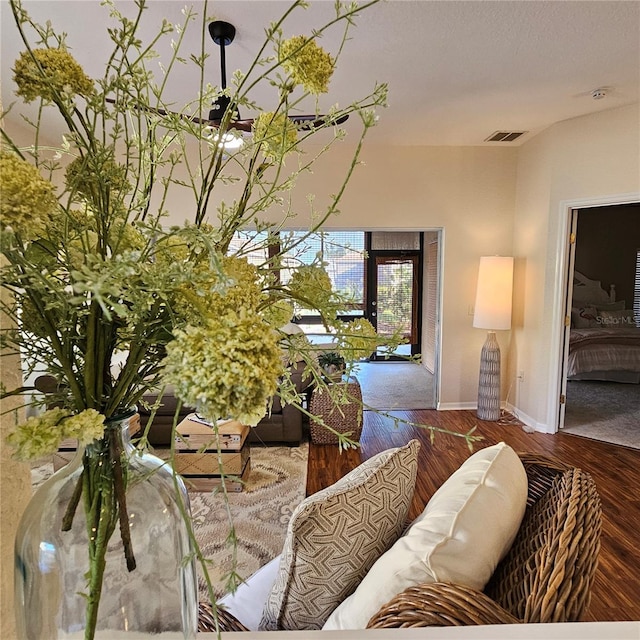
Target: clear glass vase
(70, 584)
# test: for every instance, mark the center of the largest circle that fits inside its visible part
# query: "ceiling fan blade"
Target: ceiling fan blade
(313, 122)
(304, 122)
(223, 34)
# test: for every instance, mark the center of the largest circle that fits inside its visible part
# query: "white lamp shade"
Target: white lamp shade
(494, 293)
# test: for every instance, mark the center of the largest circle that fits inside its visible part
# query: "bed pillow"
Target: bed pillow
(605, 306)
(464, 531)
(617, 319)
(584, 317)
(334, 537)
(588, 315)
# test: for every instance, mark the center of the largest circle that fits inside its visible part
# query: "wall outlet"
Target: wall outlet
(521, 376)
(470, 310)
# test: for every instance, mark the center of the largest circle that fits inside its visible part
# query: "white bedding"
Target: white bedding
(604, 354)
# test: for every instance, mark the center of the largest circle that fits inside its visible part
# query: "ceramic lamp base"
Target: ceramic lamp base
(489, 383)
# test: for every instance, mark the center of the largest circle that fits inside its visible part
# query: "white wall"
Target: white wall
(591, 159)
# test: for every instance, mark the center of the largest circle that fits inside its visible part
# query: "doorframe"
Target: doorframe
(561, 292)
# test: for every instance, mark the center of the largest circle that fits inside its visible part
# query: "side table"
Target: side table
(342, 412)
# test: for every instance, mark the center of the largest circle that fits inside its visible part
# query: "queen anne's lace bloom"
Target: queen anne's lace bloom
(60, 74)
(28, 200)
(307, 63)
(358, 340)
(210, 297)
(276, 133)
(278, 313)
(227, 367)
(91, 176)
(311, 284)
(41, 435)
(85, 426)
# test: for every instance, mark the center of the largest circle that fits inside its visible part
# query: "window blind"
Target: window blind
(636, 292)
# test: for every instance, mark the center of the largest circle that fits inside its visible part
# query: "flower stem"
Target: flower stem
(119, 487)
(104, 529)
(70, 512)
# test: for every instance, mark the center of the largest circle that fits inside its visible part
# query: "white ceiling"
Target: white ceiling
(457, 70)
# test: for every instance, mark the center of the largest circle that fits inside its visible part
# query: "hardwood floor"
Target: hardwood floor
(615, 469)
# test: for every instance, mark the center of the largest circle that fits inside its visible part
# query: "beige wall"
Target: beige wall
(15, 487)
(487, 200)
(468, 192)
(592, 159)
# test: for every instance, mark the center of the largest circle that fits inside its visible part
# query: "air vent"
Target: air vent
(504, 136)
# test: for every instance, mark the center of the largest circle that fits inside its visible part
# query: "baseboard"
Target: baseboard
(529, 422)
(456, 406)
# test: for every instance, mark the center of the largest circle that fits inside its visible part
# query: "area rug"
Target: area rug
(395, 385)
(606, 411)
(260, 513)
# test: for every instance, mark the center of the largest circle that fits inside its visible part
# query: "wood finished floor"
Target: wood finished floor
(615, 469)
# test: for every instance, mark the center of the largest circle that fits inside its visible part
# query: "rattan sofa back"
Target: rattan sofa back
(547, 574)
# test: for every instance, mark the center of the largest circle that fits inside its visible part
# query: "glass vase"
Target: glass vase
(119, 563)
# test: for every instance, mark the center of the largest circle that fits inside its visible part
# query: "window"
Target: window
(341, 252)
(252, 246)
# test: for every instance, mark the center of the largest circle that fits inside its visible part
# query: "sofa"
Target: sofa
(507, 539)
(283, 424)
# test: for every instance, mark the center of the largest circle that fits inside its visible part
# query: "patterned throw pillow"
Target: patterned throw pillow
(335, 536)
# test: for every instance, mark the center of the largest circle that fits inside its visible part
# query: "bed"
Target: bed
(604, 341)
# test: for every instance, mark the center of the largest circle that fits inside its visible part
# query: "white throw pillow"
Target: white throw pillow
(464, 531)
(247, 602)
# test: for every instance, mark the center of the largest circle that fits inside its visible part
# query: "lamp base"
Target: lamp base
(489, 384)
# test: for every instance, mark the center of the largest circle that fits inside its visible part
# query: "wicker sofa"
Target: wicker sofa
(546, 576)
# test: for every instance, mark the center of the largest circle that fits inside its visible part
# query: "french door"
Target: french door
(393, 297)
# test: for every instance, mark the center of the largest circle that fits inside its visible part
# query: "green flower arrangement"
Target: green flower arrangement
(109, 298)
(96, 274)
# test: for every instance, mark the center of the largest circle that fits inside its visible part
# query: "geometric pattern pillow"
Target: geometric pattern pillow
(335, 535)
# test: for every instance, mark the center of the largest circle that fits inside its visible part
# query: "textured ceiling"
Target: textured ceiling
(457, 70)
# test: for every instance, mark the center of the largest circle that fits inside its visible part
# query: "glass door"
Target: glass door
(394, 298)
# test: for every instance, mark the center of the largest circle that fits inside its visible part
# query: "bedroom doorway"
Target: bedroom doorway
(600, 384)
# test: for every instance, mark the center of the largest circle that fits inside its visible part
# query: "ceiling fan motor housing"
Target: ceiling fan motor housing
(218, 108)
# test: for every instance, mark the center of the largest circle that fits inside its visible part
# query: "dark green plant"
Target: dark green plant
(328, 358)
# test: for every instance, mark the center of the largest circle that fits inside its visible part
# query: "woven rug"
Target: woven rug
(606, 411)
(260, 513)
(276, 485)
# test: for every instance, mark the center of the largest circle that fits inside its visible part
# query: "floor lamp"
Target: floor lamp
(493, 312)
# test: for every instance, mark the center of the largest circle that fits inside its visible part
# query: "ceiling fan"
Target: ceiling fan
(223, 33)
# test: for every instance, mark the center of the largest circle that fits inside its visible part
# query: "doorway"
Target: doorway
(395, 286)
(403, 293)
(601, 401)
